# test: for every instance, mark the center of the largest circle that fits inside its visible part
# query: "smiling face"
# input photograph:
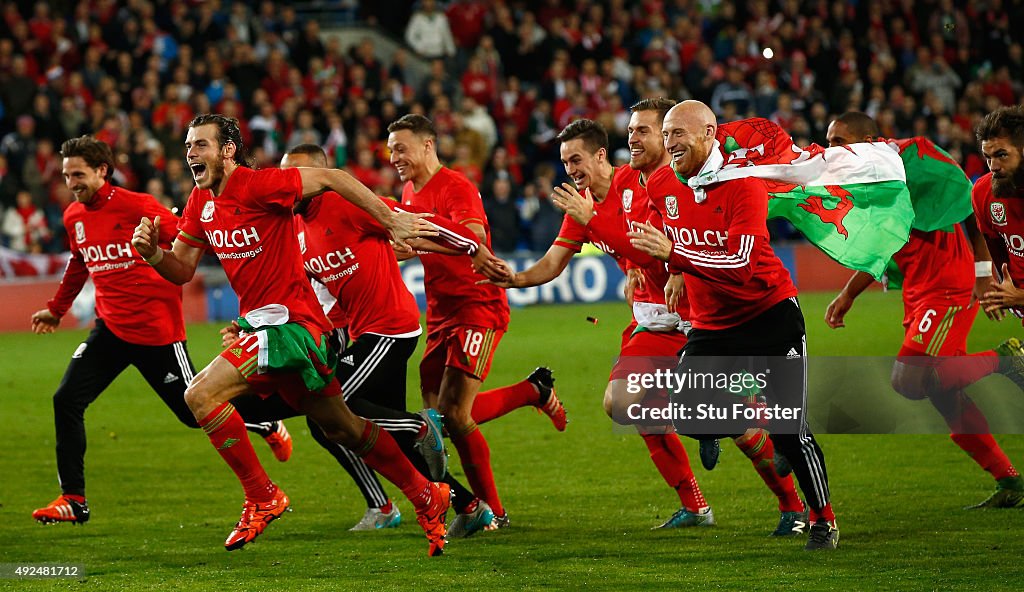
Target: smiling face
(206, 157)
(582, 166)
(82, 179)
(1004, 160)
(688, 135)
(409, 153)
(646, 150)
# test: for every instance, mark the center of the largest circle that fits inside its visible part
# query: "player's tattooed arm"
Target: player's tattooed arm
(841, 304)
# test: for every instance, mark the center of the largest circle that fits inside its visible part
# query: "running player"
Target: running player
(742, 300)
(465, 321)
(246, 217)
(616, 200)
(355, 262)
(99, 225)
(939, 300)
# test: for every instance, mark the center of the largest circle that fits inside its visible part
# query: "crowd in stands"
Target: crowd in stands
(504, 78)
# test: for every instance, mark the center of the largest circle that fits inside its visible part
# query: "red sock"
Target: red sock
(494, 403)
(226, 430)
(957, 372)
(761, 452)
(476, 462)
(670, 458)
(987, 453)
(962, 415)
(380, 451)
(826, 513)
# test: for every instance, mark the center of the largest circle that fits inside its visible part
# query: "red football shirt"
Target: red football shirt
(133, 300)
(453, 295)
(636, 208)
(251, 228)
(1001, 219)
(345, 249)
(606, 231)
(721, 244)
(937, 267)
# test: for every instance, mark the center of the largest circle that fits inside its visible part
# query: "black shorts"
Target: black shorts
(750, 375)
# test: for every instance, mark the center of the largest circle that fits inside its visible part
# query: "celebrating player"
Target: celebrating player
(613, 201)
(939, 297)
(246, 217)
(742, 300)
(99, 225)
(465, 321)
(354, 261)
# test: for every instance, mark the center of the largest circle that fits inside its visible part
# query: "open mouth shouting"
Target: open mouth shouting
(199, 171)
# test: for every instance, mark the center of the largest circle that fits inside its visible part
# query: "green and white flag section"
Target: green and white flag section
(852, 202)
(939, 188)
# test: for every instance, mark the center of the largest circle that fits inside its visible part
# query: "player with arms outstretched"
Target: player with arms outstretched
(99, 225)
(348, 254)
(613, 201)
(246, 217)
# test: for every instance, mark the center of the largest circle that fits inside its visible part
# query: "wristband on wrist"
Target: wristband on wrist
(156, 258)
(982, 269)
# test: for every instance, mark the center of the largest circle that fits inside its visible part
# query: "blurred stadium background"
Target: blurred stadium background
(499, 79)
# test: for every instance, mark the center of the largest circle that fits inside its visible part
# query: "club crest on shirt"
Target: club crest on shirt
(79, 232)
(207, 214)
(302, 242)
(627, 200)
(998, 211)
(671, 206)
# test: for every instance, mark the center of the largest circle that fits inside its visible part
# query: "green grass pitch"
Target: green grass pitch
(582, 503)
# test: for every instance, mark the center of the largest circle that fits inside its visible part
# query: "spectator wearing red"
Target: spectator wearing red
(476, 84)
(466, 20)
(24, 226)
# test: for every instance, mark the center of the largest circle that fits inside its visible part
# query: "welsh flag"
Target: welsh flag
(852, 202)
(939, 188)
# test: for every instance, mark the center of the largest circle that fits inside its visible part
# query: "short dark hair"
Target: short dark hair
(227, 131)
(416, 123)
(94, 152)
(1004, 122)
(313, 151)
(659, 104)
(592, 134)
(860, 125)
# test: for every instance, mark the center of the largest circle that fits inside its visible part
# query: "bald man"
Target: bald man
(743, 304)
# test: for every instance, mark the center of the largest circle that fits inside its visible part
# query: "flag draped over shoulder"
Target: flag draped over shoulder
(939, 188)
(852, 202)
